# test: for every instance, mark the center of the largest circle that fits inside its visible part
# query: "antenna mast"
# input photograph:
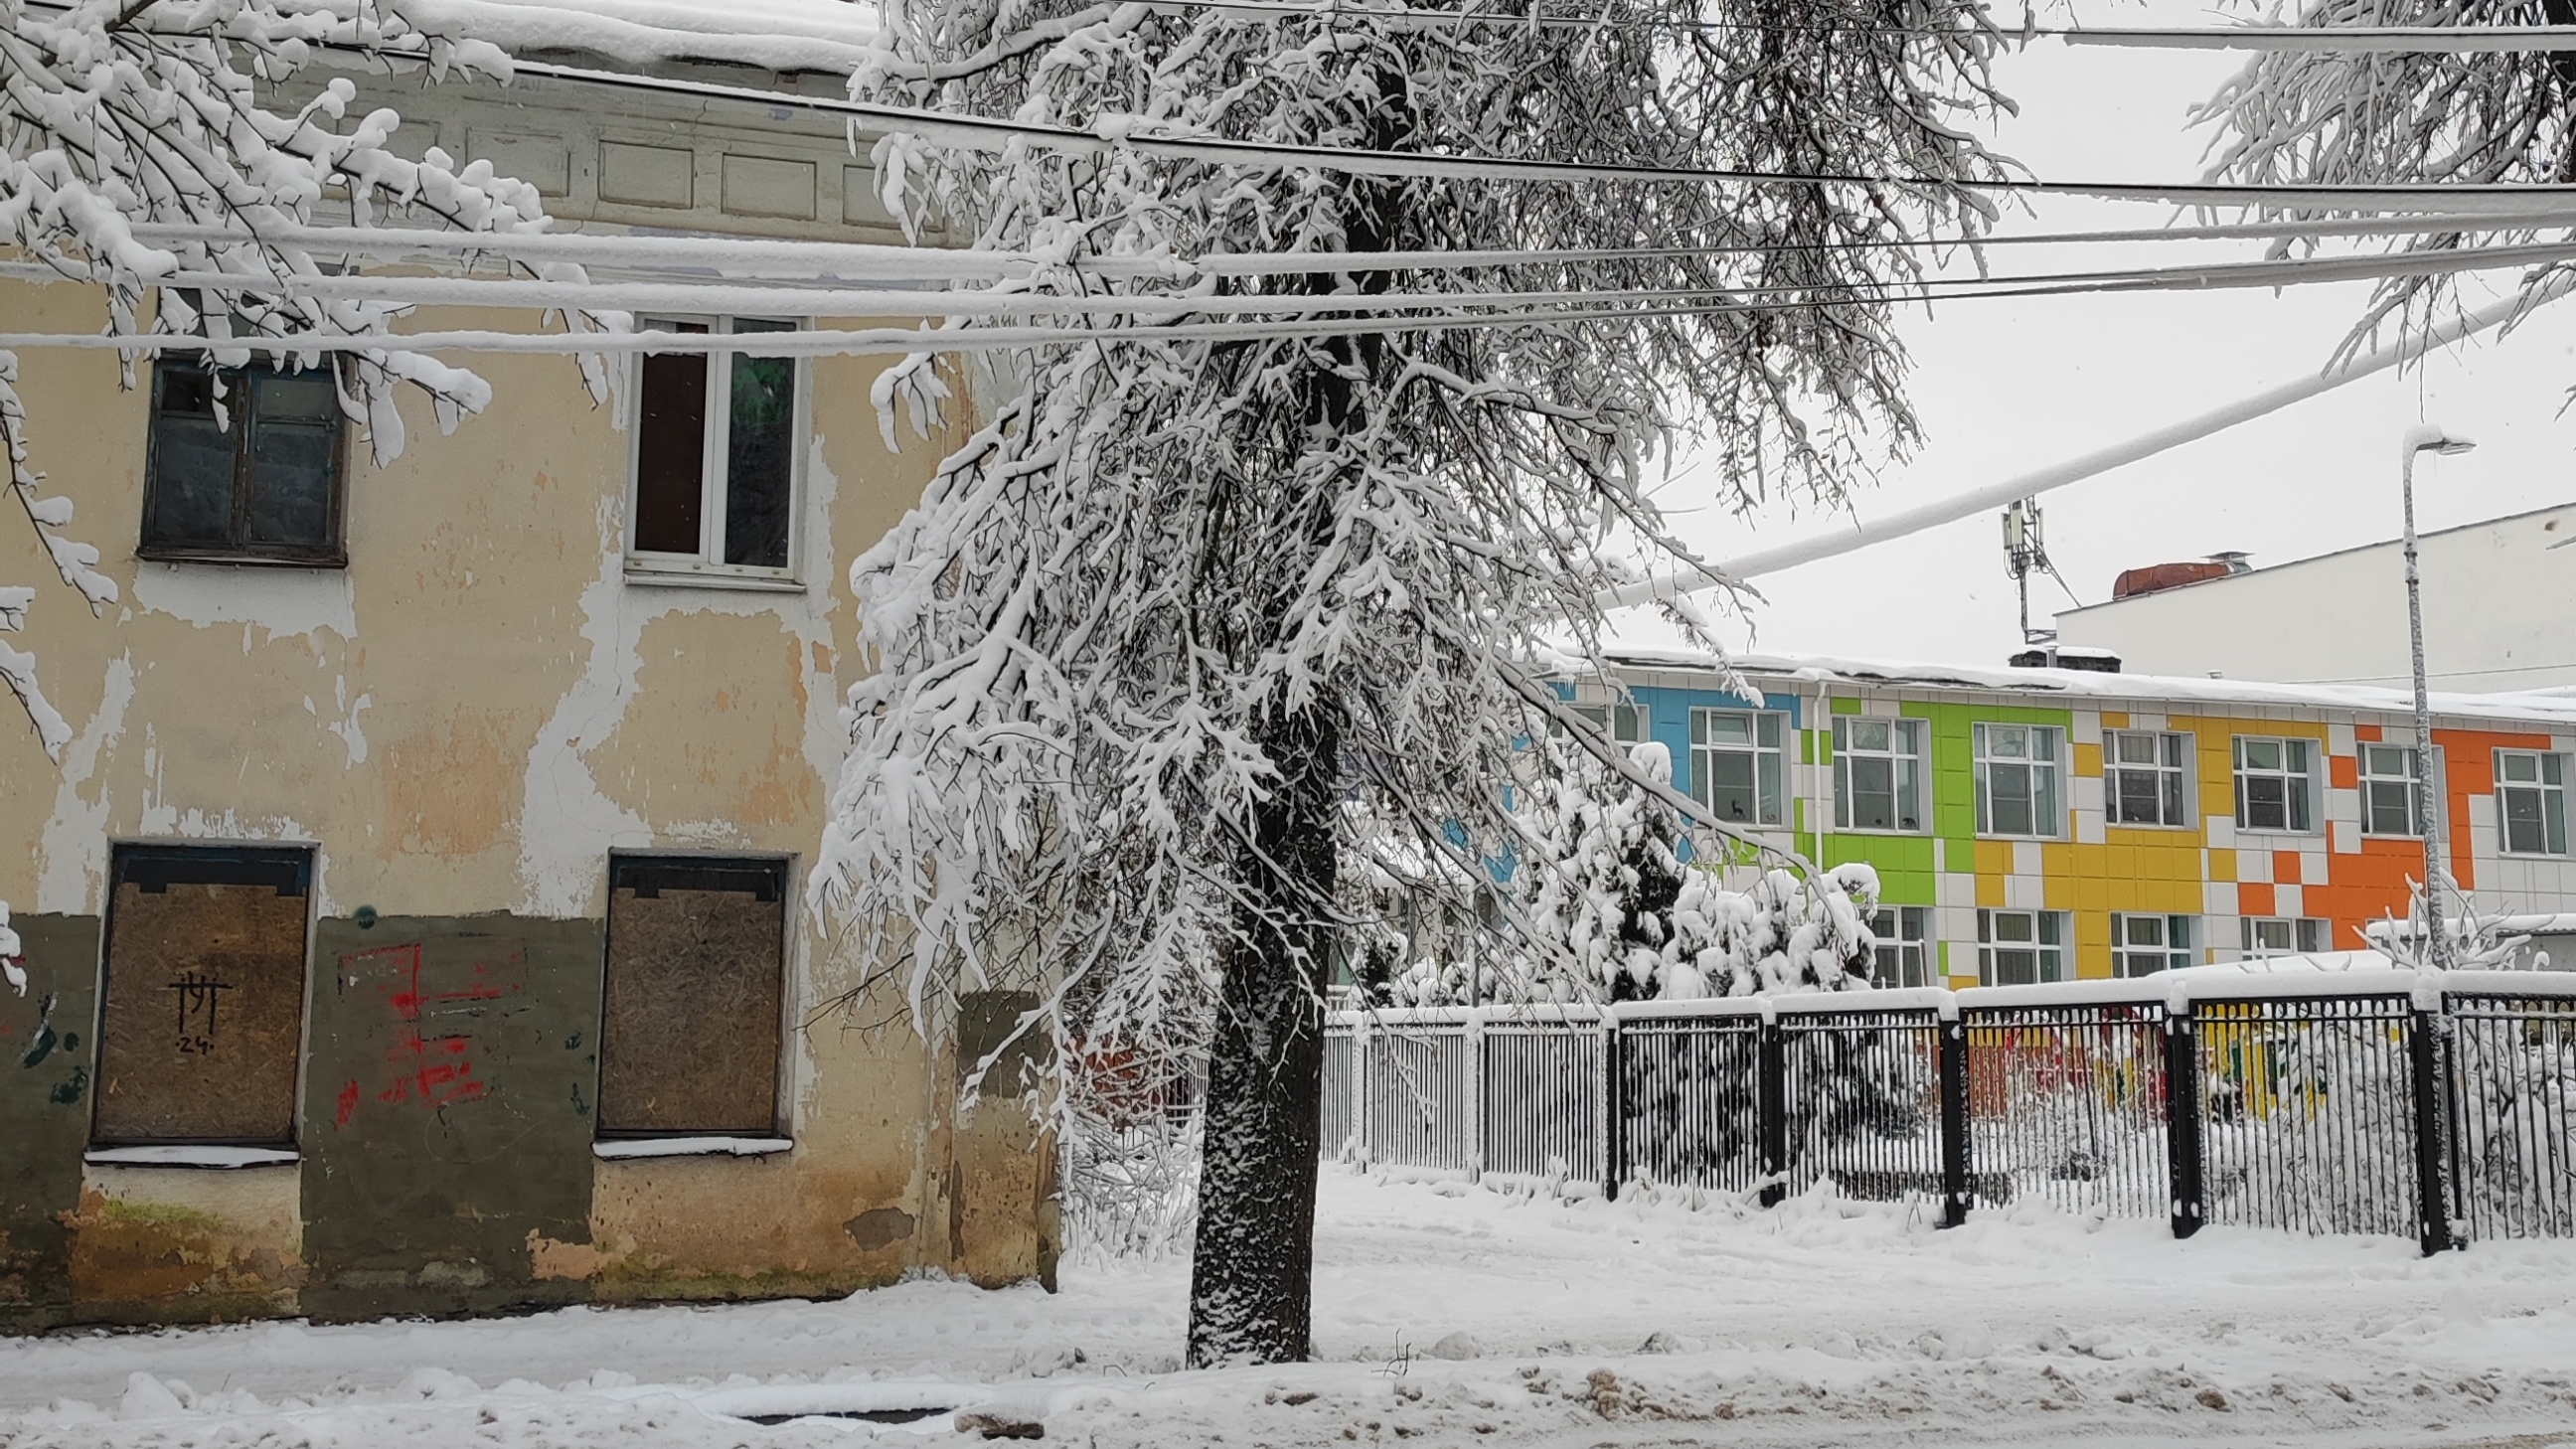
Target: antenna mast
(2025, 550)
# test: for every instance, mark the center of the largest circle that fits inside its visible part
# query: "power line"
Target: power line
(706, 296)
(887, 264)
(2425, 39)
(1123, 132)
(2075, 470)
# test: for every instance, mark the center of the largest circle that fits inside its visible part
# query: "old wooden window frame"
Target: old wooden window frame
(243, 386)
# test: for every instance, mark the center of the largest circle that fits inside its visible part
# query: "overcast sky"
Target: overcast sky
(2007, 386)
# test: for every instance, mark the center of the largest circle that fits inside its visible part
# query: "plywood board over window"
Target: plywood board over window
(203, 1019)
(689, 1044)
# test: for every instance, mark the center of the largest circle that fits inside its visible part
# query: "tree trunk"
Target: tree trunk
(1252, 1276)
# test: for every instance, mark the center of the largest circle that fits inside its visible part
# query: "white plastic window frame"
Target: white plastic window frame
(1626, 724)
(1905, 938)
(2239, 772)
(1703, 750)
(707, 565)
(1897, 754)
(2306, 934)
(2050, 960)
(2177, 949)
(2378, 752)
(2544, 790)
(2054, 768)
(2180, 774)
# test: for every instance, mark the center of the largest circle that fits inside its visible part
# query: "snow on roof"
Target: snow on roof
(780, 35)
(2545, 708)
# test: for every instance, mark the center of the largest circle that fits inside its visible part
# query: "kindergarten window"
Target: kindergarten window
(1625, 723)
(2146, 774)
(1878, 774)
(2531, 802)
(2017, 781)
(1904, 955)
(715, 443)
(2021, 948)
(2388, 791)
(203, 1017)
(2275, 785)
(1735, 764)
(2281, 936)
(2145, 945)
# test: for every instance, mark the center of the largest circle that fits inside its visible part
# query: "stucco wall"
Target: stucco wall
(464, 722)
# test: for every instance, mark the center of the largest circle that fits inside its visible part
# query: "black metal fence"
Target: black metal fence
(2325, 1102)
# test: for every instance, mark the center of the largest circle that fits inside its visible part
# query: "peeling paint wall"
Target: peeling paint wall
(462, 723)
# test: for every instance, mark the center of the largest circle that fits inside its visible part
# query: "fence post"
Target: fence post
(1954, 1123)
(1614, 1106)
(1363, 1041)
(2432, 1198)
(1771, 1109)
(2182, 1116)
(1472, 1091)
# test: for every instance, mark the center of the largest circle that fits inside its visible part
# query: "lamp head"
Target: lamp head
(2426, 438)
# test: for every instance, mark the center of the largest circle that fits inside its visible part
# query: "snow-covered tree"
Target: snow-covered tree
(1185, 592)
(2478, 942)
(2390, 115)
(147, 148)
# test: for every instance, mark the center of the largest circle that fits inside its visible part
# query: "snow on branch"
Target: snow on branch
(143, 142)
(1169, 570)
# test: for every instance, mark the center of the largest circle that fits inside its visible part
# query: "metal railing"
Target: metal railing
(2369, 1101)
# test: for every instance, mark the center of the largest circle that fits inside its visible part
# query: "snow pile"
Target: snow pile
(1448, 1314)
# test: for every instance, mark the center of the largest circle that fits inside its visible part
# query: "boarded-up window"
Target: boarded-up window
(696, 987)
(204, 1012)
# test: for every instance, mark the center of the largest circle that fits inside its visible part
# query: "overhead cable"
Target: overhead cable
(1975, 501)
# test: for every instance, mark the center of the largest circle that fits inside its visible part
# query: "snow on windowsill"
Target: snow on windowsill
(617, 1151)
(191, 1155)
(676, 578)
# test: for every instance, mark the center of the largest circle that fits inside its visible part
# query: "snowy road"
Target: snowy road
(1819, 1324)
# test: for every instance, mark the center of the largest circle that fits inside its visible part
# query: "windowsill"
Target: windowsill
(2024, 839)
(1896, 831)
(162, 555)
(693, 579)
(2304, 834)
(2142, 825)
(188, 1154)
(623, 1149)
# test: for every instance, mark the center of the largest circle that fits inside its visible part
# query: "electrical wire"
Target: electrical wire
(704, 296)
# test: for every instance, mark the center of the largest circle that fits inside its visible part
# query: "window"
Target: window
(1625, 722)
(689, 1043)
(203, 1017)
(2145, 945)
(2531, 802)
(244, 463)
(1904, 946)
(2388, 779)
(2146, 773)
(1878, 773)
(2279, 936)
(715, 459)
(2021, 948)
(2017, 780)
(2274, 790)
(1735, 764)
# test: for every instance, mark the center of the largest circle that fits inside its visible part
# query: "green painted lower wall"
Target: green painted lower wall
(451, 1068)
(44, 1116)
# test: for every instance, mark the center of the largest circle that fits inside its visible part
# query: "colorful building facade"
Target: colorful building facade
(2040, 824)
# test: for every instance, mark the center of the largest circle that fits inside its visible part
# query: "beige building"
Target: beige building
(416, 920)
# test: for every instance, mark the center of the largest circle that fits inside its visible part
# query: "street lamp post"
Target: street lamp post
(2425, 438)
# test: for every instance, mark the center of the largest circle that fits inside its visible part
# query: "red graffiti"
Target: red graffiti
(433, 1069)
(348, 1104)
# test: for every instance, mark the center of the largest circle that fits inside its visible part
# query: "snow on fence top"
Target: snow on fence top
(780, 35)
(2277, 979)
(2544, 708)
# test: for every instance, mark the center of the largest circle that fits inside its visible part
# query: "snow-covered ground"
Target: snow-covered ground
(1640, 1322)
